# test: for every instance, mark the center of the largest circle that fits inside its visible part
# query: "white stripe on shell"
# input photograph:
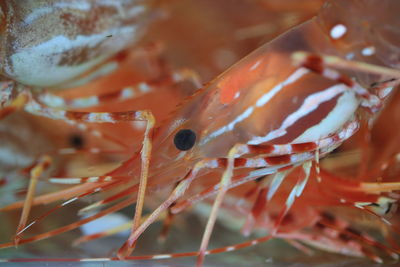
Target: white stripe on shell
(310, 104)
(230, 126)
(264, 99)
(344, 110)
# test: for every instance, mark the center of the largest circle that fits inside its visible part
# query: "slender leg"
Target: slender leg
(94, 117)
(167, 222)
(69, 227)
(112, 117)
(319, 64)
(43, 164)
(130, 92)
(363, 239)
(213, 190)
(63, 204)
(271, 165)
(261, 189)
(145, 153)
(116, 117)
(144, 173)
(287, 149)
(179, 190)
(225, 181)
(273, 152)
(77, 119)
(317, 61)
(314, 239)
(296, 192)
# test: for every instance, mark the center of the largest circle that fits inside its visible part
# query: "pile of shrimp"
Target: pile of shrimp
(142, 131)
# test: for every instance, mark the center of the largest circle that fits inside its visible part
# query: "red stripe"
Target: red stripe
(346, 80)
(239, 162)
(303, 147)
(284, 168)
(261, 149)
(314, 63)
(279, 160)
(79, 116)
(109, 96)
(222, 162)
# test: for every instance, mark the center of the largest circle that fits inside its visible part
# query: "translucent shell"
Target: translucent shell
(46, 43)
(270, 118)
(265, 99)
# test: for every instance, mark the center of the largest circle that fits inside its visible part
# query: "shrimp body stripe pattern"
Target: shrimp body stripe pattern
(345, 107)
(260, 102)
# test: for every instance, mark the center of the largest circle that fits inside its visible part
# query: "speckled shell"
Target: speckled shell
(45, 43)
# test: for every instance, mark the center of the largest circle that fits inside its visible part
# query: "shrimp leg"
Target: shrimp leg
(225, 181)
(273, 151)
(43, 164)
(126, 93)
(318, 61)
(224, 186)
(270, 163)
(320, 64)
(113, 117)
(294, 193)
(24, 100)
(179, 190)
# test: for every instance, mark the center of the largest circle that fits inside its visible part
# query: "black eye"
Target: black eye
(76, 141)
(184, 139)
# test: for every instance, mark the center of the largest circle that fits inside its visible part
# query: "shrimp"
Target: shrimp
(86, 42)
(290, 102)
(83, 35)
(82, 46)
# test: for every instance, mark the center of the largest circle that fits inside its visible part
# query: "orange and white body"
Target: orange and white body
(282, 107)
